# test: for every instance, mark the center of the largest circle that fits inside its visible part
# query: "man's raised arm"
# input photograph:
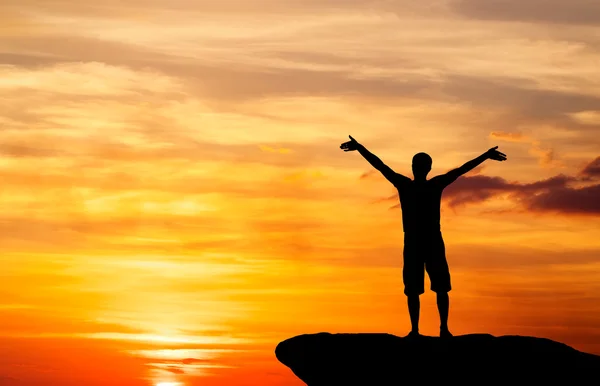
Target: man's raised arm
(472, 164)
(378, 164)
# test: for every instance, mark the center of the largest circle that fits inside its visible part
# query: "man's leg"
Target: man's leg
(413, 275)
(439, 274)
(443, 304)
(414, 310)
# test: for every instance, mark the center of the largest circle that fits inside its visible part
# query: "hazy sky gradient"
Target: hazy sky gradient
(174, 200)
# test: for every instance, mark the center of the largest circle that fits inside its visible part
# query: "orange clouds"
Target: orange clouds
(506, 136)
(270, 149)
(545, 155)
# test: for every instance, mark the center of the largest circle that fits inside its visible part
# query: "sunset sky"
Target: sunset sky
(174, 201)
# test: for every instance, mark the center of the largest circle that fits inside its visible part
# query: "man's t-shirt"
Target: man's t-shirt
(421, 201)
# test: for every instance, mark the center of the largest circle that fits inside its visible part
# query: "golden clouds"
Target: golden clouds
(85, 79)
(591, 118)
(507, 136)
(545, 155)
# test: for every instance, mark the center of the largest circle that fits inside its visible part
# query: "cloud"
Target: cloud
(175, 370)
(26, 150)
(591, 118)
(368, 174)
(116, 9)
(524, 102)
(92, 78)
(581, 12)
(26, 321)
(191, 361)
(545, 155)
(506, 136)
(297, 65)
(592, 170)
(584, 200)
(520, 101)
(270, 149)
(511, 261)
(550, 195)
(309, 70)
(474, 189)
(60, 48)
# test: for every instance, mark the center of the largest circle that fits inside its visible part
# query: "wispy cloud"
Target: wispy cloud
(545, 155)
(576, 12)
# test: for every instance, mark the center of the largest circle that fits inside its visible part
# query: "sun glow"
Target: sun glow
(169, 384)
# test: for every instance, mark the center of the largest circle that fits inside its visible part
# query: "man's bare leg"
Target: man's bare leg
(443, 304)
(414, 309)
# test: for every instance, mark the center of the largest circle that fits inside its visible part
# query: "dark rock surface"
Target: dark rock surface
(478, 359)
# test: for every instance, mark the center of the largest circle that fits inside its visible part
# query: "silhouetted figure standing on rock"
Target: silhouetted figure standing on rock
(424, 249)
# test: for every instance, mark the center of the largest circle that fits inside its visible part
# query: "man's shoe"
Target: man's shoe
(445, 333)
(413, 334)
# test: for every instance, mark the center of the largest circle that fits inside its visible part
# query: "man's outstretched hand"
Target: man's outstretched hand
(495, 154)
(350, 145)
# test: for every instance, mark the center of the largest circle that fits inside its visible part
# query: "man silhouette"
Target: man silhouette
(424, 249)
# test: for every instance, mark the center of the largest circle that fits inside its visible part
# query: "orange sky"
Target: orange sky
(174, 201)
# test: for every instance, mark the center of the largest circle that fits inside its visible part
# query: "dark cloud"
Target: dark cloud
(585, 200)
(592, 170)
(480, 188)
(472, 184)
(551, 195)
(585, 12)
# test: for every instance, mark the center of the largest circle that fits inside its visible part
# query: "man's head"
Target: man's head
(421, 165)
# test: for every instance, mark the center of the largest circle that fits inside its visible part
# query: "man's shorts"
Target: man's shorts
(425, 251)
